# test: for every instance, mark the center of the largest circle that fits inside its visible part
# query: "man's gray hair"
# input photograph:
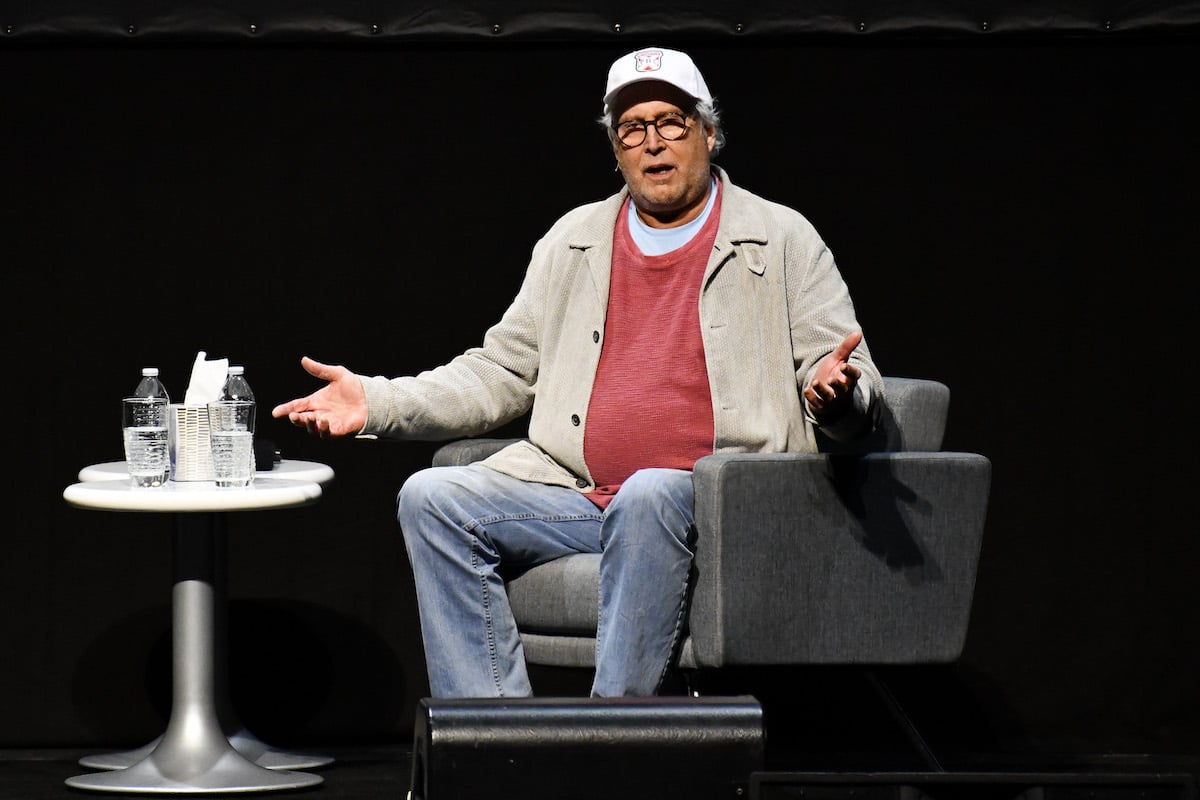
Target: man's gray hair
(705, 112)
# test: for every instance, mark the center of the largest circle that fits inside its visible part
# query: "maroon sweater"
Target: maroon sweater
(651, 405)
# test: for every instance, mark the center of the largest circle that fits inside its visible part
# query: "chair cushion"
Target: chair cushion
(560, 596)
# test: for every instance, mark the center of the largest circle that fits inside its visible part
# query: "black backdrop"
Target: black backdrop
(1013, 213)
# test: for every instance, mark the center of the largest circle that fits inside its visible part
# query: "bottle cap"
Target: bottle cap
(150, 372)
(236, 370)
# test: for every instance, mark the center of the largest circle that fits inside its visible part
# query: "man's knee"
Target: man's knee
(655, 486)
(414, 493)
(659, 499)
(426, 491)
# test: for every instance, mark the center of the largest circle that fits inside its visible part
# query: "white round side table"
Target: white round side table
(204, 749)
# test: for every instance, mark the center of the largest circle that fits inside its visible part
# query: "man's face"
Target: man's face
(669, 181)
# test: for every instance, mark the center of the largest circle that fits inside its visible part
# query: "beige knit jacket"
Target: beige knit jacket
(772, 305)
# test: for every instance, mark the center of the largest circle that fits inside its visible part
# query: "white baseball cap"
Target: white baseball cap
(656, 64)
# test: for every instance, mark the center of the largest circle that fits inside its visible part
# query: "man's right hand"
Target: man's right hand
(337, 409)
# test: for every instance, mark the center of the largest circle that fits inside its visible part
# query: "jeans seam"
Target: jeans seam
(672, 655)
(471, 525)
(485, 597)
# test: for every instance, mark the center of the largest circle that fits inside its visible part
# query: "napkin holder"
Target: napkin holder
(189, 444)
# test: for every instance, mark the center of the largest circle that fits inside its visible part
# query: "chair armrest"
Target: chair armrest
(468, 451)
(835, 559)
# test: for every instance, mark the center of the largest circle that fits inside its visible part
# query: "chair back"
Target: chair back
(913, 417)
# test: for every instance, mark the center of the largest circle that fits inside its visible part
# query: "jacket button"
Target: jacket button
(575, 420)
(595, 336)
(581, 483)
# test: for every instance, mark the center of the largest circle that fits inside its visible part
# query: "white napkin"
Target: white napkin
(208, 376)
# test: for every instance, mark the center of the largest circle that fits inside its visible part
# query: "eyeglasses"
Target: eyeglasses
(668, 126)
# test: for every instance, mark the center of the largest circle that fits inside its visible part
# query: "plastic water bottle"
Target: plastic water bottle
(145, 427)
(236, 387)
(150, 385)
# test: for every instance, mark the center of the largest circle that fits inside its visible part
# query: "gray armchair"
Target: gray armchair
(860, 555)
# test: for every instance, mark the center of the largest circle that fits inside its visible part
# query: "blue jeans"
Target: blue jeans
(461, 523)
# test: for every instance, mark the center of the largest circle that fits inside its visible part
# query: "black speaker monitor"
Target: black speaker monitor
(556, 748)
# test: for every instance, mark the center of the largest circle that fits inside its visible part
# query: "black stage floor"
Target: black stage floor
(357, 773)
(844, 744)
(383, 772)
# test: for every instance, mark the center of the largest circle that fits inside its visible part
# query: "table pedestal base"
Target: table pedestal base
(246, 743)
(228, 772)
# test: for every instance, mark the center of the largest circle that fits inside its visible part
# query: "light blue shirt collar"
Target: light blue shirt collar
(658, 241)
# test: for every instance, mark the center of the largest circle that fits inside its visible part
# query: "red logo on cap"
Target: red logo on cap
(648, 60)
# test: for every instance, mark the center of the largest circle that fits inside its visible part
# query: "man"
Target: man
(681, 316)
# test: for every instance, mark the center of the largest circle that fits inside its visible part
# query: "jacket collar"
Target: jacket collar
(741, 221)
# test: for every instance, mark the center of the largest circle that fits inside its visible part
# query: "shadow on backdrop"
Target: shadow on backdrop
(298, 673)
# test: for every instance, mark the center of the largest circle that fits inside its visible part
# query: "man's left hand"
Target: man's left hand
(832, 388)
